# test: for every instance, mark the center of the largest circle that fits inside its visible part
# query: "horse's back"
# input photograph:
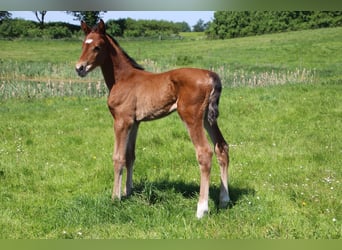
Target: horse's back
(194, 82)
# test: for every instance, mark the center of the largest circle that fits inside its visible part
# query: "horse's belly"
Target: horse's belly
(151, 113)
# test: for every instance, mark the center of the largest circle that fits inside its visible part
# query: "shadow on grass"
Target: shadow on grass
(87, 210)
(155, 191)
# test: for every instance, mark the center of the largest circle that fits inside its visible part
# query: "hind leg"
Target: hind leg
(193, 119)
(222, 153)
(204, 157)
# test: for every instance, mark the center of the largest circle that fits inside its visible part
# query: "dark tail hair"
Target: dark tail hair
(214, 98)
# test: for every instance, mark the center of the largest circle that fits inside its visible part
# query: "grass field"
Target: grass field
(285, 143)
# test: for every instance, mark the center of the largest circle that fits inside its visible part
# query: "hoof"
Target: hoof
(224, 201)
(116, 198)
(202, 209)
(224, 204)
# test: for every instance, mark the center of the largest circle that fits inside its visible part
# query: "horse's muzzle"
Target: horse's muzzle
(82, 69)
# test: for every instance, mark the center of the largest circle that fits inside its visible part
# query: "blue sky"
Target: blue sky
(191, 17)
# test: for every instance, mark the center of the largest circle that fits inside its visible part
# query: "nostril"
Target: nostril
(79, 68)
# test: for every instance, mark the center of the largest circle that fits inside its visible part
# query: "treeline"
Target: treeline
(145, 28)
(231, 24)
(226, 24)
(19, 28)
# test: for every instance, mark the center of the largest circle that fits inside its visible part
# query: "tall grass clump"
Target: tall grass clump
(39, 80)
(239, 78)
(245, 78)
(51, 88)
(40, 85)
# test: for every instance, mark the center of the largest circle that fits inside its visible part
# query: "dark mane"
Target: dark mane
(130, 59)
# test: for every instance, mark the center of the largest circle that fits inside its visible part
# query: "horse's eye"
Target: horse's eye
(97, 48)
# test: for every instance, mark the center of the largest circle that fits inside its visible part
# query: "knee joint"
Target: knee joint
(221, 148)
(204, 158)
(119, 161)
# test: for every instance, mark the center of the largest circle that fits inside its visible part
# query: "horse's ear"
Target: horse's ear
(101, 27)
(86, 29)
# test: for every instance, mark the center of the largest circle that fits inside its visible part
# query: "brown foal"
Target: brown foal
(136, 95)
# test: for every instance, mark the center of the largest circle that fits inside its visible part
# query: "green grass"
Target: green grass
(56, 143)
(285, 176)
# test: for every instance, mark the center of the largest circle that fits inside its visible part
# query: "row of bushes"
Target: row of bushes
(231, 24)
(145, 28)
(18, 28)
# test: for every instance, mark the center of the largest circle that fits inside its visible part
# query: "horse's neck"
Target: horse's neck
(108, 74)
(116, 67)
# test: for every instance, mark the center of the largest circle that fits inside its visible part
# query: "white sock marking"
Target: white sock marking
(202, 209)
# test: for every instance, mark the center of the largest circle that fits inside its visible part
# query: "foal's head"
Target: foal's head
(93, 49)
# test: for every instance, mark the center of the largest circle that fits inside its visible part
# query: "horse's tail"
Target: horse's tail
(214, 98)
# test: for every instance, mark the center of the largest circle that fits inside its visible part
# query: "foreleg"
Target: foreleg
(122, 131)
(130, 158)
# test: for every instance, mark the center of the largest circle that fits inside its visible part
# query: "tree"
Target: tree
(4, 15)
(183, 27)
(40, 15)
(116, 27)
(90, 17)
(200, 26)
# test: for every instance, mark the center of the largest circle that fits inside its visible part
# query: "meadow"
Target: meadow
(280, 111)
